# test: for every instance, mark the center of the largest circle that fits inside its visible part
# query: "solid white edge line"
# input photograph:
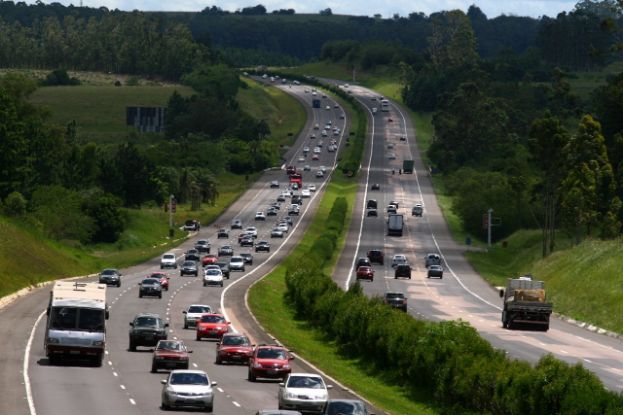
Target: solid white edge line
(365, 197)
(31, 402)
(290, 232)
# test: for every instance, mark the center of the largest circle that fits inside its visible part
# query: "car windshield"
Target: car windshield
(345, 408)
(189, 264)
(170, 345)
(213, 271)
(147, 321)
(199, 309)
(168, 256)
(271, 354)
(308, 382)
(188, 379)
(109, 272)
(236, 341)
(150, 281)
(212, 319)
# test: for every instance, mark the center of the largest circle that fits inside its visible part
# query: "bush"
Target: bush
(59, 77)
(14, 204)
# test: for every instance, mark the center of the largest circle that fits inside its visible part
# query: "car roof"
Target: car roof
(316, 375)
(147, 315)
(196, 371)
(199, 305)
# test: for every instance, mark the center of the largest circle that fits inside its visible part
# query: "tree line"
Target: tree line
(510, 135)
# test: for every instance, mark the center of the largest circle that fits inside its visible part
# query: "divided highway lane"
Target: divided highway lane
(124, 384)
(462, 293)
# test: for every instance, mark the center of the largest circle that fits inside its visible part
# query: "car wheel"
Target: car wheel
(218, 360)
(198, 338)
(154, 368)
(209, 408)
(160, 295)
(251, 377)
(185, 325)
(204, 284)
(221, 283)
(186, 366)
(132, 346)
(140, 295)
(161, 267)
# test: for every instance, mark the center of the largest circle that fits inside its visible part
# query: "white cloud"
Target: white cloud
(491, 8)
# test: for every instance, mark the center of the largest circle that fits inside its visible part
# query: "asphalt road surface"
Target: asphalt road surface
(124, 384)
(462, 293)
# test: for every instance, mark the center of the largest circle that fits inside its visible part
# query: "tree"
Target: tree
(452, 43)
(108, 220)
(548, 139)
(326, 12)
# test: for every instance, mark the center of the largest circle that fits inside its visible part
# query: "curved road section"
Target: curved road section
(124, 385)
(462, 293)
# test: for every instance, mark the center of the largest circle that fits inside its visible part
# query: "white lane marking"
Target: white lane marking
(122, 387)
(365, 198)
(587, 360)
(220, 390)
(195, 365)
(31, 402)
(115, 374)
(132, 401)
(563, 351)
(109, 363)
(236, 403)
(290, 233)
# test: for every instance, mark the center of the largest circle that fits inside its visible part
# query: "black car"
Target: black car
(372, 212)
(110, 276)
(281, 198)
(189, 268)
(402, 271)
(297, 200)
(146, 330)
(396, 300)
(224, 268)
(236, 224)
(222, 233)
(203, 246)
(248, 241)
(372, 204)
(376, 255)
(363, 261)
(262, 246)
(271, 211)
(192, 255)
(150, 287)
(435, 271)
(375, 186)
(225, 250)
(248, 258)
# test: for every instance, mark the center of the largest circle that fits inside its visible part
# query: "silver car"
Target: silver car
(188, 388)
(236, 263)
(304, 392)
(193, 313)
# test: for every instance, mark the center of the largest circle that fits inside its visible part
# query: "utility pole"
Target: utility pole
(489, 212)
(172, 208)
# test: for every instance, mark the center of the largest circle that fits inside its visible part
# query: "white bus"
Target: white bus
(384, 105)
(76, 323)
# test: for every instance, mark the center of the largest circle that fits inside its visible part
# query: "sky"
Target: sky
(492, 8)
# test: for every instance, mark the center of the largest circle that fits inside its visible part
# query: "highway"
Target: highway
(462, 293)
(124, 384)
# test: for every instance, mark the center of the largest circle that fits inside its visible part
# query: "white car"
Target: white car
(303, 391)
(316, 127)
(236, 263)
(212, 276)
(328, 108)
(399, 259)
(286, 193)
(168, 260)
(305, 149)
(301, 158)
(317, 150)
(305, 193)
(312, 187)
(283, 227)
(252, 230)
(190, 388)
(319, 173)
(260, 216)
(193, 313)
(324, 133)
(323, 168)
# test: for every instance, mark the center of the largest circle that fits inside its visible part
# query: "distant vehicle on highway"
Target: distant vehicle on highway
(365, 273)
(189, 268)
(203, 246)
(150, 287)
(192, 225)
(170, 354)
(147, 329)
(304, 391)
(402, 271)
(262, 246)
(110, 276)
(269, 361)
(168, 260)
(435, 271)
(345, 407)
(396, 300)
(225, 250)
(222, 233)
(376, 255)
(184, 384)
(432, 259)
(233, 348)
(194, 312)
(212, 276)
(212, 326)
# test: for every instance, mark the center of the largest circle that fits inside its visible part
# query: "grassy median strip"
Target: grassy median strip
(267, 302)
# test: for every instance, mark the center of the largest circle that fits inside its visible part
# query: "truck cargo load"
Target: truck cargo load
(407, 166)
(395, 224)
(525, 303)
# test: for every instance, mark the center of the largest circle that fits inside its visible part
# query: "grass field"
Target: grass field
(584, 83)
(99, 111)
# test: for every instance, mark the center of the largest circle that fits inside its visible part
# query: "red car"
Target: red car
(163, 278)
(209, 259)
(212, 326)
(269, 361)
(365, 272)
(233, 347)
(170, 354)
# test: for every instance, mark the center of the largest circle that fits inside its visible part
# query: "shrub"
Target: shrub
(59, 77)
(14, 204)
